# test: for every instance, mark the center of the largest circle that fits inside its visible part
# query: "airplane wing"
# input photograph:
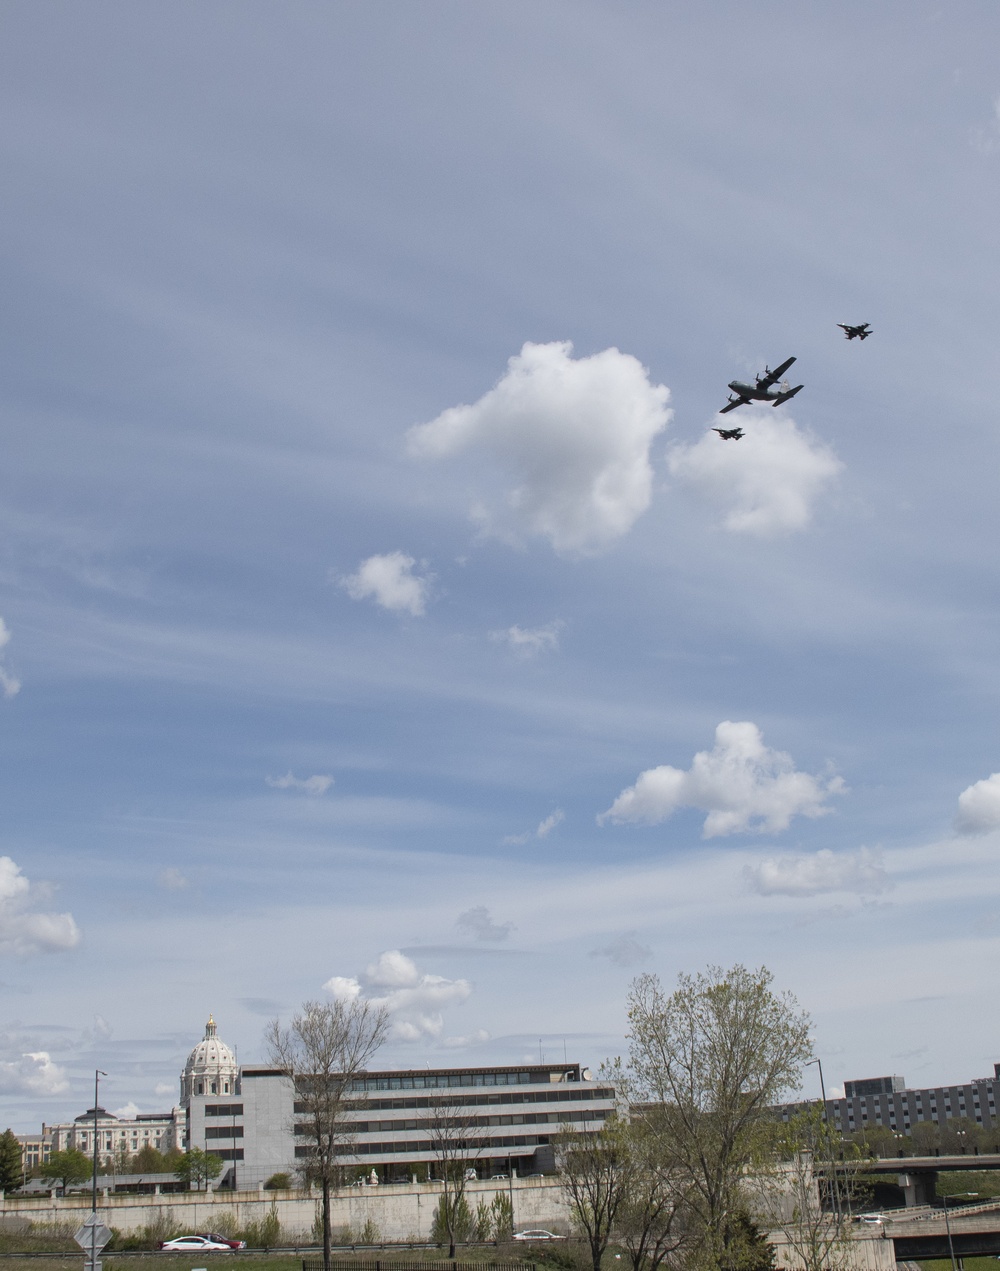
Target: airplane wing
(732, 406)
(772, 377)
(783, 397)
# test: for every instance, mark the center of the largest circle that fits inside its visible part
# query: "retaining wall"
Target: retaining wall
(399, 1211)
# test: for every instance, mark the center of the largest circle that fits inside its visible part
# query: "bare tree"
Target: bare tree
(455, 1141)
(323, 1051)
(791, 1195)
(706, 1062)
(654, 1223)
(597, 1173)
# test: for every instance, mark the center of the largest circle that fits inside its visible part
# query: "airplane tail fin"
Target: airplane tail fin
(785, 396)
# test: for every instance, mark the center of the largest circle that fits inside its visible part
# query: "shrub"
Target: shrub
(278, 1183)
(266, 1233)
(370, 1234)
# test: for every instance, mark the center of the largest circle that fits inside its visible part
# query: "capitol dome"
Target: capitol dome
(210, 1068)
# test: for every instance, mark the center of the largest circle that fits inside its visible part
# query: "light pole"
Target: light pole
(98, 1074)
(829, 1139)
(947, 1224)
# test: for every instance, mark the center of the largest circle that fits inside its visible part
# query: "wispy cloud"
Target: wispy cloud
(625, 951)
(813, 874)
(9, 684)
(542, 830)
(572, 437)
(741, 783)
(316, 785)
(528, 642)
(480, 923)
(389, 580)
(172, 880)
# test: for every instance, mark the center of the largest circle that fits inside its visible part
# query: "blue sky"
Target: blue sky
(381, 614)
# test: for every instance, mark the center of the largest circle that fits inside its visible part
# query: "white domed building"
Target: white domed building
(211, 1068)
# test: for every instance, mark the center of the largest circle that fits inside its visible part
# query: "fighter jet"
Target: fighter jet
(729, 434)
(862, 331)
(760, 391)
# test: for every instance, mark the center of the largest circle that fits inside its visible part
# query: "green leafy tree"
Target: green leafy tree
(197, 1167)
(10, 1161)
(745, 1248)
(452, 1220)
(705, 1064)
(67, 1168)
(149, 1160)
(501, 1218)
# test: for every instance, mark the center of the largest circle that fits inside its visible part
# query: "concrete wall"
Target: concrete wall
(399, 1211)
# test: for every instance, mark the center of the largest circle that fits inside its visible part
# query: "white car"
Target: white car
(537, 1234)
(201, 1244)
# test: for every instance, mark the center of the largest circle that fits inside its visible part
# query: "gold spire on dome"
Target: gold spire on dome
(210, 1028)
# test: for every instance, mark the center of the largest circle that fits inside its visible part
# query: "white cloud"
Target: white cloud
(625, 951)
(172, 880)
(979, 807)
(549, 824)
(128, 1112)
(317, 784)
(23, 931)
(765, 483)
(542, 830)
(861, 872)
(479, 921)
(9, 684)
(389, 580)
(528, 642)
(163, 1088)
(33, 1073)
(414, 998)
(572, 438)
(741, 783)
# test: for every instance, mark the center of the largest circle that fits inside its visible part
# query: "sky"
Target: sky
(380, 613)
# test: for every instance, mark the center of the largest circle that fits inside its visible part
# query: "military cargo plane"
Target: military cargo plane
(862, 332)
(760, 391)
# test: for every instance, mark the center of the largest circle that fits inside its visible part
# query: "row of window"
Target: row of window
(518, 1118)
(435, 1081)
(487, 1148)
(223, 1131)
(223, 1109)
(577, 1095)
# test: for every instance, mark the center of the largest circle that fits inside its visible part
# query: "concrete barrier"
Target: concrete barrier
(399, 1211)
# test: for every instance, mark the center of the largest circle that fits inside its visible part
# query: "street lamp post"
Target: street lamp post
(98, 1074)
(829, 1138)
(947, 1225)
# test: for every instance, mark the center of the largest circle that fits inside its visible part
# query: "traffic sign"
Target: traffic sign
(93, 1235)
